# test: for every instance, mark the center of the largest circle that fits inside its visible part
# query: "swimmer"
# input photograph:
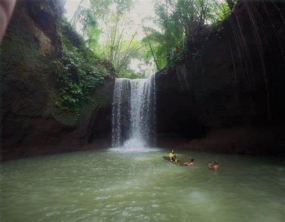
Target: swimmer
(214, 166)
(190, 163)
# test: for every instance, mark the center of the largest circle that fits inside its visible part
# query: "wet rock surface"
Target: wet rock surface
(236, 81)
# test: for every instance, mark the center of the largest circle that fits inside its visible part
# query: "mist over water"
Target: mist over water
(133, 114)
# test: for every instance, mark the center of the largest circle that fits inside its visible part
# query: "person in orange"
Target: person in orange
(190, 163)
(214, 166)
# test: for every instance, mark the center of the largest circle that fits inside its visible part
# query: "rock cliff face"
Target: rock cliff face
(32, 123)
(226, 97)
(235, 81)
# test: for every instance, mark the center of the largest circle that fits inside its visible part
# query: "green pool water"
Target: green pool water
(116, 185)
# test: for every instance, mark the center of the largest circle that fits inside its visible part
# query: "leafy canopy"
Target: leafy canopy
(176, 30)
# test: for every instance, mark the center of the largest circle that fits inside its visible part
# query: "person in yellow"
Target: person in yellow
(172, 156)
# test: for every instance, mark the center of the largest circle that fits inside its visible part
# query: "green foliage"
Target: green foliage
(119, 44)
(223, 12)
(130, 74)
(183, 26)
(157, 47)
(55, 64)
(109, 22)
(79, 73)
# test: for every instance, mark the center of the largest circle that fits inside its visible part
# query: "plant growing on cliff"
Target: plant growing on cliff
(79, 72)
(77, 80)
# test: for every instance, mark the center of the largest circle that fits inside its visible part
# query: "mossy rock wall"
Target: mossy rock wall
(44, 67)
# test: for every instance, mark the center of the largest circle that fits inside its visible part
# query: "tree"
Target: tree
(182, 24)
(179, 26)
(107, 30)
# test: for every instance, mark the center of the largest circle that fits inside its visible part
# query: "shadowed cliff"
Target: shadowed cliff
(231, 90)
(53, 88)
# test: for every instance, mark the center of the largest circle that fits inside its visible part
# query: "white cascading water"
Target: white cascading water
(133, 113)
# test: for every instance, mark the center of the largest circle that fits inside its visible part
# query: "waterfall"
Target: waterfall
(133, 113)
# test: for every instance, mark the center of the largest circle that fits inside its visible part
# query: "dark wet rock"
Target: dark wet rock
(237, 80)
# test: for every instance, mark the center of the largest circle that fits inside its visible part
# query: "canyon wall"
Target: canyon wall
(230, 92)
(42, 61)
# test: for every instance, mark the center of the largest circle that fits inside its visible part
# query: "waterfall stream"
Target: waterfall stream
(133, 113)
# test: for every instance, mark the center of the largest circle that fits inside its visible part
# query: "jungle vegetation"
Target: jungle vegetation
(171, 34)
(115, 40)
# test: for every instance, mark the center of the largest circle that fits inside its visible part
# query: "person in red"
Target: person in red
(190, 163)
(214, 166)
(6, 11)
